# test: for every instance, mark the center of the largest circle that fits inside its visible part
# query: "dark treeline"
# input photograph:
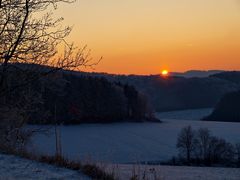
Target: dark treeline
(66, 98)
(89, 100)
(176, 93)
(95, 97)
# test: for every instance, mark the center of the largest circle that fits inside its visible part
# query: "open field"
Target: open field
(130, 142)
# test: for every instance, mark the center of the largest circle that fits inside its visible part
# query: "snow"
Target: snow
(177, 173)
(130, 142)
(192, 114)
(12, 167)
(121, 143)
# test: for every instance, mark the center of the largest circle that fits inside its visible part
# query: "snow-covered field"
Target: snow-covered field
(131, 142)
(121, 143)
(12, 167)
(125, 172)
(192, 114)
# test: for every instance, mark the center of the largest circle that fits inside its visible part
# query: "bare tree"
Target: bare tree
(29, 34)
(237, 147)
(202, 143)
(185, 142)
(207, 149)
(29, 38)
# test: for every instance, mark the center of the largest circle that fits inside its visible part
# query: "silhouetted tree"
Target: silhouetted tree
(201, 147)
(202, 143)
(220, 151)
(29, 40)
(185, 143)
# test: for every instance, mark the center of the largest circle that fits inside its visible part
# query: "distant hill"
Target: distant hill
(228, 108)
(71, 98)
(196, 73)
(178, 92)
(232, 76)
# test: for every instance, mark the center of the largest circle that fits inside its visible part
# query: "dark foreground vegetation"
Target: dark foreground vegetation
(201, 148)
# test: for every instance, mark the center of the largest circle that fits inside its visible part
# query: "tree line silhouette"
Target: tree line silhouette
(65, 98)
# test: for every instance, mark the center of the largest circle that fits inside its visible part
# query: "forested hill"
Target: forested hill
(64, 97)
(228, 108)
(157, 92)
(232, 76)
(175, 93)
(86, 99)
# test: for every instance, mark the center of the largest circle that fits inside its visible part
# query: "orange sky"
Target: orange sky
(146, 36)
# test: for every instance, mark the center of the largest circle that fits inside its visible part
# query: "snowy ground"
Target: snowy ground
(125, 172)
(192, 114)
(12, 167)
(131, 142)
(124, 143)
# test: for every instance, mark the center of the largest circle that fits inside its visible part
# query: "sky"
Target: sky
(146, 36)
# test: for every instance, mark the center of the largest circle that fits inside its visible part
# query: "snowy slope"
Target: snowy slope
(129, 142)
(12, 167)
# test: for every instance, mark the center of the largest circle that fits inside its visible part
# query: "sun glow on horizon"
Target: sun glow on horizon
(165, 72)
(182, 35)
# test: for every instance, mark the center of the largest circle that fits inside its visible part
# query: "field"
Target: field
(125, 172)
(131, 142)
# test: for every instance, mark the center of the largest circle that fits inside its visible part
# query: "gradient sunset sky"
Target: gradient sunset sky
(146, 36)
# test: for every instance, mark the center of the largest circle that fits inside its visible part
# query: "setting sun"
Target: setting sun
(165, 72)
